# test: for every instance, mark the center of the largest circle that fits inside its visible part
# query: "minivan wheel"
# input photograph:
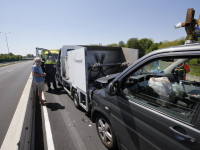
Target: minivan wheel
(76, 101)
(106, 132)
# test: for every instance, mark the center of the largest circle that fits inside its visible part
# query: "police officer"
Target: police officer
(182, 70)
(187, 69)
(50, 69)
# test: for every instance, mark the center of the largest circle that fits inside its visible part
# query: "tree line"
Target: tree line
(30, 56)
(146, 45)
(12, 56)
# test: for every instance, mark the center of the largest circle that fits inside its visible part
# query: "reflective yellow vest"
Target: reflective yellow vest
(49, 62)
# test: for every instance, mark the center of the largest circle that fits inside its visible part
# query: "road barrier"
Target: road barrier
(20, 134)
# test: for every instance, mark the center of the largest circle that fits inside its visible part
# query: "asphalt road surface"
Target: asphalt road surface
(13, 79)
(71, 127)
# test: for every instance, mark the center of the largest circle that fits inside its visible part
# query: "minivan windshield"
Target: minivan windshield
(158, 66)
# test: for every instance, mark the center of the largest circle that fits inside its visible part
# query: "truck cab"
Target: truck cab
(45, 53)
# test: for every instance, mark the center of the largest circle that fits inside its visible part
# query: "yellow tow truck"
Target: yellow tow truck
(53, 52)
(45, 53)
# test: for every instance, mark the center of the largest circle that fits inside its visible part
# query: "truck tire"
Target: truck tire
(76, 100)
(106, 132)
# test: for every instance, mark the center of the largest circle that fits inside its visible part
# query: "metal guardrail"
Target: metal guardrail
(20, 134)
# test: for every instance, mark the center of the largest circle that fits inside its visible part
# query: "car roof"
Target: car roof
(180, 48)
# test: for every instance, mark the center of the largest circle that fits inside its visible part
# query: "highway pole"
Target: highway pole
(7, 46)
(7, 43)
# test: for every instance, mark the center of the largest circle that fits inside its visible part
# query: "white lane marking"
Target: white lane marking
(10, 70)
(49, 137)
(15, 129)
(15, 67)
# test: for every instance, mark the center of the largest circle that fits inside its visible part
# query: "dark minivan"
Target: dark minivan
(153, 104)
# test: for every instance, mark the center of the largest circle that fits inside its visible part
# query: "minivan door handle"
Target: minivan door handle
(182, 135)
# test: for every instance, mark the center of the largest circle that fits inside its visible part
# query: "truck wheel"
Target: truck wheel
(106, 132)
(76, 101)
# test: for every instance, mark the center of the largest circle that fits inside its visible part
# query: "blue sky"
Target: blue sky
(53, 23)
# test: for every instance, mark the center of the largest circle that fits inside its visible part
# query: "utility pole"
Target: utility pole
(7, 43)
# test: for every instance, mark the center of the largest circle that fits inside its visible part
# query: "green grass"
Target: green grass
(4, 65)
(10, 64)
(194, 70)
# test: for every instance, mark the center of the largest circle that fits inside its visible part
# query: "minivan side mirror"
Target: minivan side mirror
(112, 88)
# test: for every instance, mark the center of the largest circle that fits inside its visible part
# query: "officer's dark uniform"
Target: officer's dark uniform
(180, 72)
(50, 73)
(42, 65)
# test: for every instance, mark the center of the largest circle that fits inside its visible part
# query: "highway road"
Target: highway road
(13, 79)
(71, 128)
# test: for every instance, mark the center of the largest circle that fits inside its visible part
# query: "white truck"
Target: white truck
(80, 67)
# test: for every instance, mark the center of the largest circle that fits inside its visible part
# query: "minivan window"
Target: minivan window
(170, 87)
